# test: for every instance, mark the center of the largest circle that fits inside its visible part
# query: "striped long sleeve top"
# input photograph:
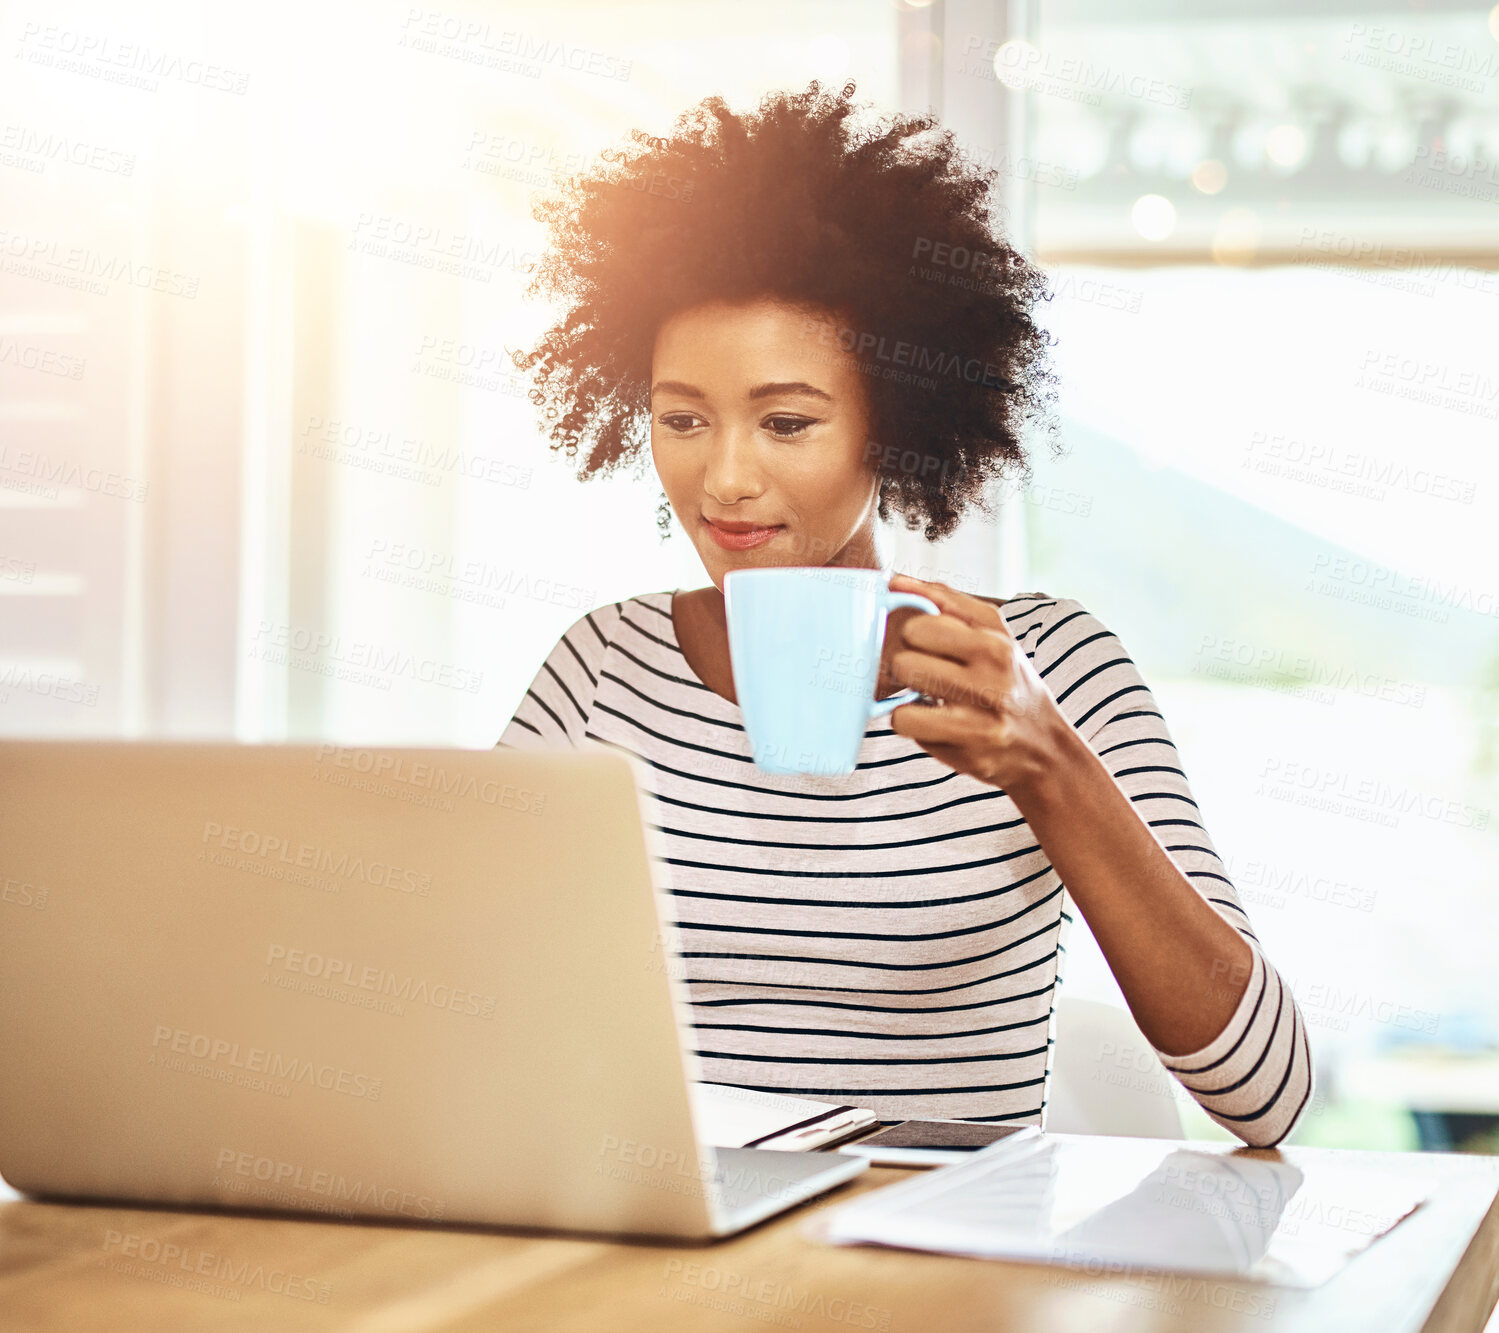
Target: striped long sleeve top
(892, 938)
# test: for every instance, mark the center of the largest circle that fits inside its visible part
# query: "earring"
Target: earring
(663, 517)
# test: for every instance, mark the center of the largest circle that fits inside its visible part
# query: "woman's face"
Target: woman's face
(759, 421)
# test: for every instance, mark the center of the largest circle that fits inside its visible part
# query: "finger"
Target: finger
(950, 601)
(954, 756)
(943, 636)
(951, 724)
(954, 682)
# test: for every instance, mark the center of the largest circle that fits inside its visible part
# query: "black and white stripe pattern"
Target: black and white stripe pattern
(892, 937)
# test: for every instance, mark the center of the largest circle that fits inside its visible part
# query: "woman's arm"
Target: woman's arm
(1200, 987)
(1182, 967)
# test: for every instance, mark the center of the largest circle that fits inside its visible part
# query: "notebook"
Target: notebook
(733, 1117)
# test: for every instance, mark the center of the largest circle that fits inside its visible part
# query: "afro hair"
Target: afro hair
(888, 229)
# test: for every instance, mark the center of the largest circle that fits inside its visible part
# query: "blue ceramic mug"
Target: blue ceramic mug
(804, 645)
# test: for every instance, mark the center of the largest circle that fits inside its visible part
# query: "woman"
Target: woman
(822, 327)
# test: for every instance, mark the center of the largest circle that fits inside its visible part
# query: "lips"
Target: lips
(740, 535)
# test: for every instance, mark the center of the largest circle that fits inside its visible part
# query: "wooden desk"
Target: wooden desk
(66, 1267)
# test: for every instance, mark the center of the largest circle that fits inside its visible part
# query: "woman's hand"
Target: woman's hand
(997, 721)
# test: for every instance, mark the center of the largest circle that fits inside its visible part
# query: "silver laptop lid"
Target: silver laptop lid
(403, 983)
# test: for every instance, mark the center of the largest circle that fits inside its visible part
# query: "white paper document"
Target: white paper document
(730, 1117)
(1101, 1203)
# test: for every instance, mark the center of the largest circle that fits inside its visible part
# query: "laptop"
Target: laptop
(418, 985)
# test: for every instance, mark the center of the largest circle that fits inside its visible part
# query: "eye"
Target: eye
(675, 420)
(788, 428)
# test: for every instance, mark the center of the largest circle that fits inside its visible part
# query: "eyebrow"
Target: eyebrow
(773, 390)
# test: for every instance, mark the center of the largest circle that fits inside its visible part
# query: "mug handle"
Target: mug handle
(891, 600)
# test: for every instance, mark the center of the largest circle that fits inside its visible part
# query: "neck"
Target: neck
(864, 550)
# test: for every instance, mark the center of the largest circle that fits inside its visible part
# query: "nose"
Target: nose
(733, 469)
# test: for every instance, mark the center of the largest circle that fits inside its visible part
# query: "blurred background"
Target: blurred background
(266, 471)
